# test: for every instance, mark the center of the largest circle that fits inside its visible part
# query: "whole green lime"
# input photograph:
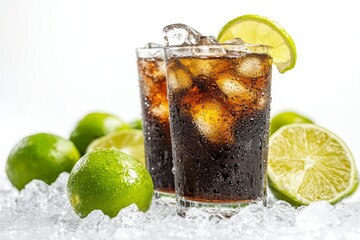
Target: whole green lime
(40, 156)
(286, 118)
(93, 126)
(109, 180)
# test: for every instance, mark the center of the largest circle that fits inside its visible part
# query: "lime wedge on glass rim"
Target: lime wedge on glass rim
(308, 163)
(255, 29)
(130, 141)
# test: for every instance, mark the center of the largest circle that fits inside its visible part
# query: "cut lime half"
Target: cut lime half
(255, 29)
(130, 141)
(308, 163)
(286, 118)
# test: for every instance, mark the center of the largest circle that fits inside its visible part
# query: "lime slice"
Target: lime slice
(308, 163)
(254, 29)
(130, 141)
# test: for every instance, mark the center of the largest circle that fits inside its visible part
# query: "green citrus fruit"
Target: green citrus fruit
(41, 156)
(136, 124)
(92, 126)
(308, 163)
(286, 118)
(255, 29)
(130, 141)
(109, 180)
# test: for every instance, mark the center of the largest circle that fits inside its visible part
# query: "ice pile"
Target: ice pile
(43, 212)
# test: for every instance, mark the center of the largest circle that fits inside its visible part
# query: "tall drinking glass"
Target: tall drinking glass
(219, 98)
(155, 117)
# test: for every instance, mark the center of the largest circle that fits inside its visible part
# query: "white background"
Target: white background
(62, 59)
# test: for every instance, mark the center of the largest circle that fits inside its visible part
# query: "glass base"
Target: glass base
(168, 197)
(214, 208)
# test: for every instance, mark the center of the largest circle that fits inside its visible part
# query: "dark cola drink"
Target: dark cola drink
(219, 99)
(155, 116)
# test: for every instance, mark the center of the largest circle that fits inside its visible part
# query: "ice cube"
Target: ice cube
(250, 222)
(161, 70)
(96, 223)
(180, 34)
(161, 111)
(152, 69)
(151, 50)
(261, 102)
(156, 71)
(232, 88)
(237, 41)
(235, 90)
(253, 66)
(7, 193)
(178, 78)
(203, 66)
(280, 216)
(316, 216)
(153, 45)
(236, 48)
(207, 46)
(183, 35)
(32, 196)
(153, 80)
(206, 40)
(213, 121)
(349, 214)
(196, 213)
(57, 197)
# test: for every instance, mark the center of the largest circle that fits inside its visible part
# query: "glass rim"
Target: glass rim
(145, 48)
(246, 48)
(155, 52)
(220, 44)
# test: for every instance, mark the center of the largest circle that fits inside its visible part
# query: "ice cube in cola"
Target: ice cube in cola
(155, 115)
(219, 122)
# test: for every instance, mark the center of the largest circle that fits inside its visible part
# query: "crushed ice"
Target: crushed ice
(41, 211)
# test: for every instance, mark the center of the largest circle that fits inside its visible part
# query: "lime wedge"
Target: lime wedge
(308, 163)
(254, 29)
(130, 141)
